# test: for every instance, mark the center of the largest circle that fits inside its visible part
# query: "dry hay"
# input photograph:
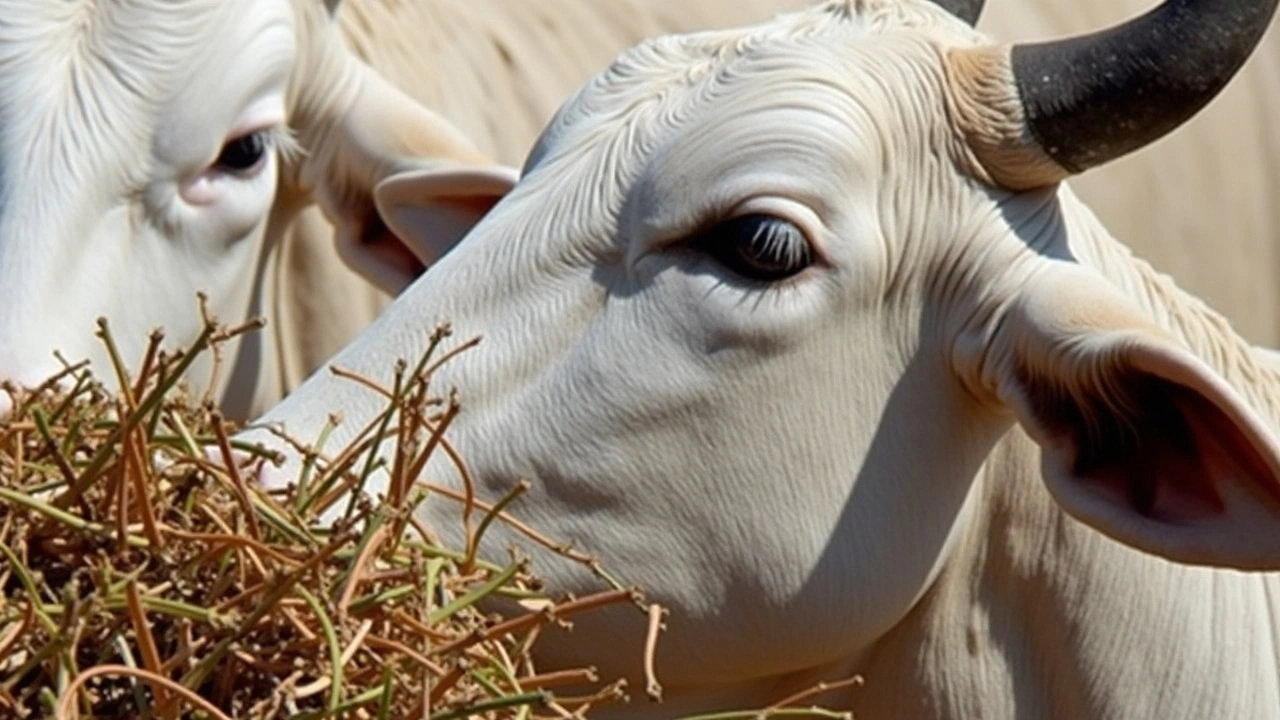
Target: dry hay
(145, 575)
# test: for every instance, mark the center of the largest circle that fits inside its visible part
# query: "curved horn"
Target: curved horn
(966, 10)
(1093, 98)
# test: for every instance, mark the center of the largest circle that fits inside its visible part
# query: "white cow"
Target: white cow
(795, 326)
(140, 149)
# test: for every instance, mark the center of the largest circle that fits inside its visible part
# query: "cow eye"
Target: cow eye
(758, 247)
(244, 153)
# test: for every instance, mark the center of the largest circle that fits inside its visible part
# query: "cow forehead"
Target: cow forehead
(657, 84)
(146, 48)
(88, 82)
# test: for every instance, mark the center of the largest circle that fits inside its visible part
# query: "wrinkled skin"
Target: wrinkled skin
(930, 430)
(141, 146)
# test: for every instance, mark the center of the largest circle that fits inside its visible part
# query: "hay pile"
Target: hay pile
(145, 575)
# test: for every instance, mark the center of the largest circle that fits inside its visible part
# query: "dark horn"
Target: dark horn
(1093, 98)
(966, 10)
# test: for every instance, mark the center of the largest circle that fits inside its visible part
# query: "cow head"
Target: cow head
(758, 311)
(141, 148)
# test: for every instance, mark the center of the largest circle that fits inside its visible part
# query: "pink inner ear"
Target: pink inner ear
(1158, 461)
(378, 238)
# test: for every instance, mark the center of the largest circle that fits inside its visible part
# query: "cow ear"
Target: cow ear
(1139, 438)
(386, 134)
(417, 216)
(430, 210)
(357, 130)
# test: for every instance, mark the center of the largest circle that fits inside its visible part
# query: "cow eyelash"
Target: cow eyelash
(286, 144)
(244, 154)
(757, 246)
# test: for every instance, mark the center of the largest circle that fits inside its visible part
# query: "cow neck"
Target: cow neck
(1047, 617)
